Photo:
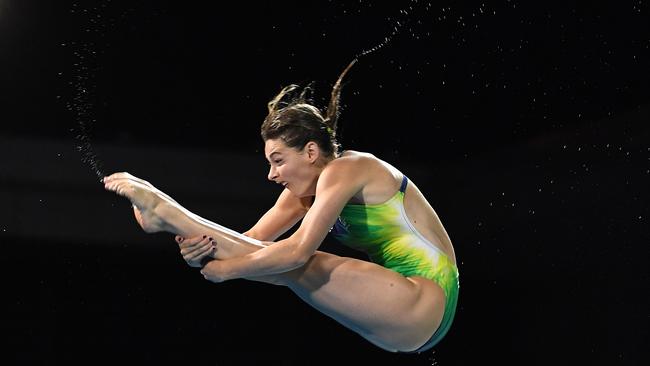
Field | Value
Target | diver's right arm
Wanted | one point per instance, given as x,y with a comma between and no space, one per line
286,212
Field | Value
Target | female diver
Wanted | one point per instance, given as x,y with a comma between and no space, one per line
402,300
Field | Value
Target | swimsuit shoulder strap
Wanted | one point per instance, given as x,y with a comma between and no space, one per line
405,180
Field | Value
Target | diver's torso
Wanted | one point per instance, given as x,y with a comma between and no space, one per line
383,186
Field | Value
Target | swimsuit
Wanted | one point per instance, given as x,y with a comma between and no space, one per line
384,232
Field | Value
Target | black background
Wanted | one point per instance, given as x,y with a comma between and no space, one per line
526,125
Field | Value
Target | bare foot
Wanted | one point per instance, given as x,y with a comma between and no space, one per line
144,197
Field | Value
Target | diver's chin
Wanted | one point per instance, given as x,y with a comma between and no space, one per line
294,192
290,190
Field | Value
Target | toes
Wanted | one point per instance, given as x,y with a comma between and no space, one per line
119,175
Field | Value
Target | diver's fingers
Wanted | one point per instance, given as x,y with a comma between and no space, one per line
192,244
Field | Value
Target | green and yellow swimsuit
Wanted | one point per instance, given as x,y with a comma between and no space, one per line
384,232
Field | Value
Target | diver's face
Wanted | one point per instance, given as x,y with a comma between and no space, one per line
291,168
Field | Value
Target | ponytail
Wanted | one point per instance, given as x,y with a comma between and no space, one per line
297,121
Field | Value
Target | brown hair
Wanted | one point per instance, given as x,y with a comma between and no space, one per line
297,121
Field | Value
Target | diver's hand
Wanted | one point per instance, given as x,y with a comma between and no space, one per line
197,251
143,196
215,271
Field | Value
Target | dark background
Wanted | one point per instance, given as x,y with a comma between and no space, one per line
526,125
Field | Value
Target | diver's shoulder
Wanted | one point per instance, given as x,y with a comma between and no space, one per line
368,162
358,159
351,161
356,155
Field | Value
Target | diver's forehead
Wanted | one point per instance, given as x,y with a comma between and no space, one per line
273,147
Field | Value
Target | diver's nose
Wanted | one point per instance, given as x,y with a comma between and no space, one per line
273,173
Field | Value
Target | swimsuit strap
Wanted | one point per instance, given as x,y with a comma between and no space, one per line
402,188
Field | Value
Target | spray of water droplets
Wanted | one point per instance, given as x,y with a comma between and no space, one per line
82,107
399,23
83,83
432,359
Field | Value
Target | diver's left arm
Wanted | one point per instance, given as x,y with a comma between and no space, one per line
332,193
